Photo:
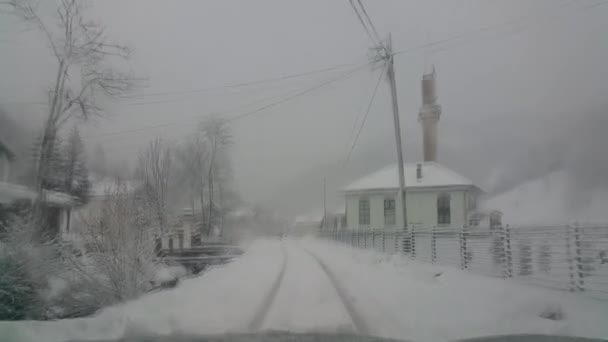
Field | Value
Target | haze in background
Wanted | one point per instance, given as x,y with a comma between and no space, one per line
520,100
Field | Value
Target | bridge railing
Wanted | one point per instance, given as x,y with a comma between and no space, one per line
570,257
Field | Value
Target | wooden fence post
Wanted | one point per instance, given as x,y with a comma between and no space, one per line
383,241
412,239
508,252
433,245
463,249
404,241
578,257
501,250
374,239
571,260
396,241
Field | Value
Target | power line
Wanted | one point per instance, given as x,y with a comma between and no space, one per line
342,76
479,30
306,91
369,107
248,83
229,86
195,117
369,20
367,30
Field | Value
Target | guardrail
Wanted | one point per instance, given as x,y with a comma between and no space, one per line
562,257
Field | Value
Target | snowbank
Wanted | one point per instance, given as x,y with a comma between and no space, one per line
396,298
415,301
222,299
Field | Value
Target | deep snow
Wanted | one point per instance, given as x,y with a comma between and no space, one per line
396,297
416,301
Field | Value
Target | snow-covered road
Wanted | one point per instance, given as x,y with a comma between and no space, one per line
319,286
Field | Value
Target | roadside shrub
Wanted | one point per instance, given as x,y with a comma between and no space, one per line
18,297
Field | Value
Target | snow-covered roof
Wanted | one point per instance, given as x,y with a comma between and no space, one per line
310,218
433,175
10,192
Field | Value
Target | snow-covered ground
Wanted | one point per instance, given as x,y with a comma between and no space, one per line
393,296
416,301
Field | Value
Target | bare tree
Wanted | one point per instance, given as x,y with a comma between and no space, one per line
75,173
82,52
154,169
216,133
193,160
118,260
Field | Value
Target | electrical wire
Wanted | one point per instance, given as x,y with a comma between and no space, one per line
345,75
483,29
249,83
298,94
367,30
369,20
203,90
369,107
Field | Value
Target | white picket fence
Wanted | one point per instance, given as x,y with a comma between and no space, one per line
564,257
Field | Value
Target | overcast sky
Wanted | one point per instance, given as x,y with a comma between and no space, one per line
519,76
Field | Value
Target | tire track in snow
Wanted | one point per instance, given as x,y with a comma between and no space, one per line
260,315
361,326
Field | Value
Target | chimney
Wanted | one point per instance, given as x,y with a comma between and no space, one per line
428,117
418,172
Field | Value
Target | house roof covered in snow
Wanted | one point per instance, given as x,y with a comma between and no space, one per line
10,192
433,175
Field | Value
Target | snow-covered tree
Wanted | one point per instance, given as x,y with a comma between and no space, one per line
76,175
154,169
216,132
81,51
192,159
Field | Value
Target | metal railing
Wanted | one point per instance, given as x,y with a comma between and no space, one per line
562,257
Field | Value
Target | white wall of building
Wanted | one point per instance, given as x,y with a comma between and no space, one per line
421,207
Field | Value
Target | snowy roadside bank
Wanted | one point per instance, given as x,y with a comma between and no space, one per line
223,299
414,301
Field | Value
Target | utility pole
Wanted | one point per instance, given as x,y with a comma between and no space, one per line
324,225
390,72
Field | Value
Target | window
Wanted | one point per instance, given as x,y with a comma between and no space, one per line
363,211
389,211
443,209
472,201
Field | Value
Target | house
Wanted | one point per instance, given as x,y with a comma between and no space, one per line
13,197
334,221
435,194
304,225
179,234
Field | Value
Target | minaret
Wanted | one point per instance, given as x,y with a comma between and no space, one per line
429,115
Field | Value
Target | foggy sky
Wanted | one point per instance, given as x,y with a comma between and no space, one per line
517,98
